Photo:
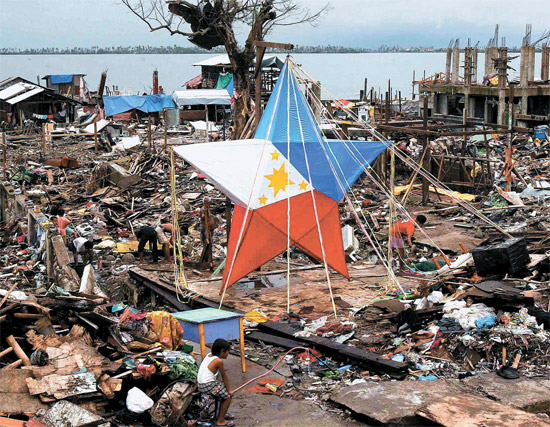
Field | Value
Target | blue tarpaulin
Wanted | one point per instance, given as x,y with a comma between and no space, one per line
61,78
147,103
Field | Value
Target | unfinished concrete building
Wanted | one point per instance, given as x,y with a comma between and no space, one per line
453,94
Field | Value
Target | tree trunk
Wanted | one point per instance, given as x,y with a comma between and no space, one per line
241,62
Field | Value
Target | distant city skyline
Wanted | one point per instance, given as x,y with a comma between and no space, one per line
351,23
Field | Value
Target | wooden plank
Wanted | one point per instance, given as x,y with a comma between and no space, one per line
14,393
468,410
274,340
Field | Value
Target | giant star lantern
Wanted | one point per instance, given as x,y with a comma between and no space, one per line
286,183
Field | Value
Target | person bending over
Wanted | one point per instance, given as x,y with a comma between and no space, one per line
84,247
147,234
400,229
208,379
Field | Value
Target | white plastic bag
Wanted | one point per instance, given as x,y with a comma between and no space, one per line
138,402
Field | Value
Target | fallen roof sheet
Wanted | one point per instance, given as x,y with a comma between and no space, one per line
201,97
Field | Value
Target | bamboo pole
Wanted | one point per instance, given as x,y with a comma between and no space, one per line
95,138
165,130
43,140
4,157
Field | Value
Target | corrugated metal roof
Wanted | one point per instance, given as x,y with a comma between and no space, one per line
25,95
13,90
201,97
19,92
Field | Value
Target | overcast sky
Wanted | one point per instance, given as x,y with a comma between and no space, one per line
357,23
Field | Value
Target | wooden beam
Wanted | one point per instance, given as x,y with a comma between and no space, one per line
401,129
370,360
274,45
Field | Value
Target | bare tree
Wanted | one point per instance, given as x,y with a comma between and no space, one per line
211,23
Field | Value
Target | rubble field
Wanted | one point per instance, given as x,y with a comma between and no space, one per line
463,330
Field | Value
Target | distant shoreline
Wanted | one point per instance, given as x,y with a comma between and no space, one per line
191,51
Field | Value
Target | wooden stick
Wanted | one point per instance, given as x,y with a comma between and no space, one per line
14,364
436,263
503,356
516,361
2,318
6,351
8,294
8,308
143,354
28,315
464,248
18,350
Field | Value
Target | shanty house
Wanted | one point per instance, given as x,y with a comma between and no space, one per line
218,67
69,85
22,99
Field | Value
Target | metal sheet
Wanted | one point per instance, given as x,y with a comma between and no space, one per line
14,90
25,95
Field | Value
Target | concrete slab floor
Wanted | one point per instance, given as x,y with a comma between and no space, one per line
529,394
270,410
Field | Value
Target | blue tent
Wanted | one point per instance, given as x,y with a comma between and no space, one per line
147,103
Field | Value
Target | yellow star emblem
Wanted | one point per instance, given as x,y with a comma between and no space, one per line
262,199
303,185
279,180
275,155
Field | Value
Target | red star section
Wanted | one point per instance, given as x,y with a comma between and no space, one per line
265,234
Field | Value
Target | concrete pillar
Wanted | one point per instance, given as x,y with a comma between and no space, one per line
524,100
448,66
531,64
486,111
444,100
523,73
468,67
501,107
474,65
490,53
487,61
502,74
545,62
466,110
456,65
473,103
